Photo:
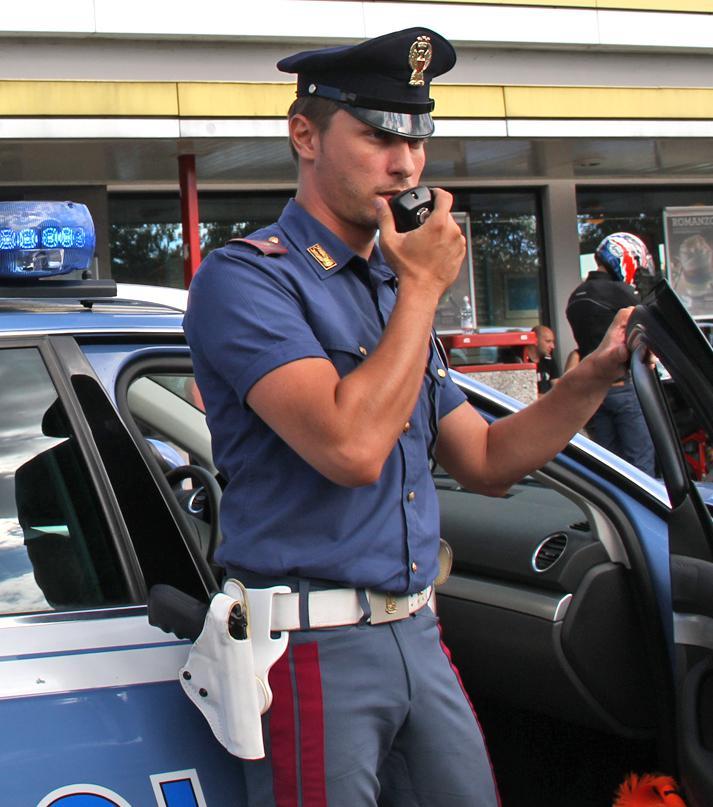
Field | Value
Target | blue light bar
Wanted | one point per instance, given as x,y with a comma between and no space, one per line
40,239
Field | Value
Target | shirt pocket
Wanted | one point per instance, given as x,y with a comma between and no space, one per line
345,351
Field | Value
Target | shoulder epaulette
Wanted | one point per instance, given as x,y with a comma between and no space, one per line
264,247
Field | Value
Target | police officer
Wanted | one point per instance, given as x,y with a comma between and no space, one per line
326,401
623,262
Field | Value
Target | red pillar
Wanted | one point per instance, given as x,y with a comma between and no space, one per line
189,216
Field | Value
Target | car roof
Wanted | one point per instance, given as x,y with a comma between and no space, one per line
135,309
164,295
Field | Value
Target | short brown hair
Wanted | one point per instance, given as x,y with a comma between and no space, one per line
318,110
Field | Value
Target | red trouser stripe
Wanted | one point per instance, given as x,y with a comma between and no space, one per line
309,692
282,735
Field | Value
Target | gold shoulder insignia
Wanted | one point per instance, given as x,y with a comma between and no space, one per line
323,258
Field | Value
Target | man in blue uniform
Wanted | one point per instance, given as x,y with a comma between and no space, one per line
326,401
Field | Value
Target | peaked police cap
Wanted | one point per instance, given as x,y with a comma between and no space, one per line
383,82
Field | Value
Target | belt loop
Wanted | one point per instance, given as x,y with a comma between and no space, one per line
304,603
365,607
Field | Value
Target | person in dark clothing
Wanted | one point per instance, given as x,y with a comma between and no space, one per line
618,424
541,354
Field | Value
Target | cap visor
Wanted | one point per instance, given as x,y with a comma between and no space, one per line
399,123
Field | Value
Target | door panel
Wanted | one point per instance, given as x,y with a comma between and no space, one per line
663,326
89,691
542,574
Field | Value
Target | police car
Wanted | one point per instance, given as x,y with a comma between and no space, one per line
579,610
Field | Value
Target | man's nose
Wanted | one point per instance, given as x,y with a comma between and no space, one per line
402,158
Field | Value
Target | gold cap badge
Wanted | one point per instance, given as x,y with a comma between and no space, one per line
323,258
419,57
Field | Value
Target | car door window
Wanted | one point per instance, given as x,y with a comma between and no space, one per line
56,552
162,406
168,409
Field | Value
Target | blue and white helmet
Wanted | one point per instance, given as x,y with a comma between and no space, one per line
624,255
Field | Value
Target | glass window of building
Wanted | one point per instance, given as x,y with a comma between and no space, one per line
145,233
507,255
145,239
235,215
638,210
505,230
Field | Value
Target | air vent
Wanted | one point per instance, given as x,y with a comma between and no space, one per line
549,552
581,526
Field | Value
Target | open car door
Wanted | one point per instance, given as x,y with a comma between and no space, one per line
663,326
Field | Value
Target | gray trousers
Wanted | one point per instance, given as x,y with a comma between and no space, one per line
370,715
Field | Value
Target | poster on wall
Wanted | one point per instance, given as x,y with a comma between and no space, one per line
447,319
689,256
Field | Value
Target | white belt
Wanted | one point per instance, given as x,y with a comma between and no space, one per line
340,606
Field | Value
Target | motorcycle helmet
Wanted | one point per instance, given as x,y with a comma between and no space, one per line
625,256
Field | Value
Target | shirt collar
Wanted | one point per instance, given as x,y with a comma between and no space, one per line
324,252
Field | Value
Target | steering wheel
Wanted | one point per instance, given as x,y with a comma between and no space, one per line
206,494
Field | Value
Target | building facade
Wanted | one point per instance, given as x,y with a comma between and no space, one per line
560,123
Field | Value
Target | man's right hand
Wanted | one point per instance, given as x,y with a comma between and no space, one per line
429,257
611,358
346,427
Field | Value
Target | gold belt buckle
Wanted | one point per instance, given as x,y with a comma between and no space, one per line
386,607
445,562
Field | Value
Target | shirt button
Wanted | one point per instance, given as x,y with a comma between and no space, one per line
407,427
410,496
414,567
441,372
363,350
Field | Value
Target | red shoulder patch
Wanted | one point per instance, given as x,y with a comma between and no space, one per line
264,247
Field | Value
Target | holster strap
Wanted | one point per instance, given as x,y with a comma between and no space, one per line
333,608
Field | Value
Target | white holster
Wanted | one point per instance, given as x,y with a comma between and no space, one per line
227,678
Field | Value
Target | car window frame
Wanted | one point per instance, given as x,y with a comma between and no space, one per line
54,351
158,362
66,363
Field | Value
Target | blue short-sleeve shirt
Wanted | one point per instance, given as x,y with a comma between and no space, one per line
248,314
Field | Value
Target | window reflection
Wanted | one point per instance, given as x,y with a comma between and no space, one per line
145,233
54,543
506,231
508,266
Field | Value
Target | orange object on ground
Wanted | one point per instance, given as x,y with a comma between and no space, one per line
648,790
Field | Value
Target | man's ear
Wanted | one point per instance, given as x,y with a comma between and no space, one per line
304,136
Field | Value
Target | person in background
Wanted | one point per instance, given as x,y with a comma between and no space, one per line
572,360
541,355
618,425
